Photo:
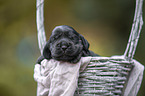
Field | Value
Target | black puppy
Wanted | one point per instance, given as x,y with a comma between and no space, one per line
65,44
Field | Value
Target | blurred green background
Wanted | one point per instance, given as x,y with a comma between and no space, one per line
106,24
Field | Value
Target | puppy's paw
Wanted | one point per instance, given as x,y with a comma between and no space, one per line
41,58
74,61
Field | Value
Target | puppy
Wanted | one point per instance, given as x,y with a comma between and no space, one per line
65,44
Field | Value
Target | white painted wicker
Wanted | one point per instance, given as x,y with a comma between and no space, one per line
104,76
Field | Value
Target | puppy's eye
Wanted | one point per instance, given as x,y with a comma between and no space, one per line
54,37
72,38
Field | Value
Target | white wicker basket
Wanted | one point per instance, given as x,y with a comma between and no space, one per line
104,76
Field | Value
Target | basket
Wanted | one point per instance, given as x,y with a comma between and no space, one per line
104,76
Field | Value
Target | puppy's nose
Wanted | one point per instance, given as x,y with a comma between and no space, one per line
64,45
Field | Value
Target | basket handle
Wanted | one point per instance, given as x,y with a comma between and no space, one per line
135,31
133,39
40,24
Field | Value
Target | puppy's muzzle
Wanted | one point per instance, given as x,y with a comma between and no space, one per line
64,45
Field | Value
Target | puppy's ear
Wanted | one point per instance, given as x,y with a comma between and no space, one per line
46,51
85,43
85,46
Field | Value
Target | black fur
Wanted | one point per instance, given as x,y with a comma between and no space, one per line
65,44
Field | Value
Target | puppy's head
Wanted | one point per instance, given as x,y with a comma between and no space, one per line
65,44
